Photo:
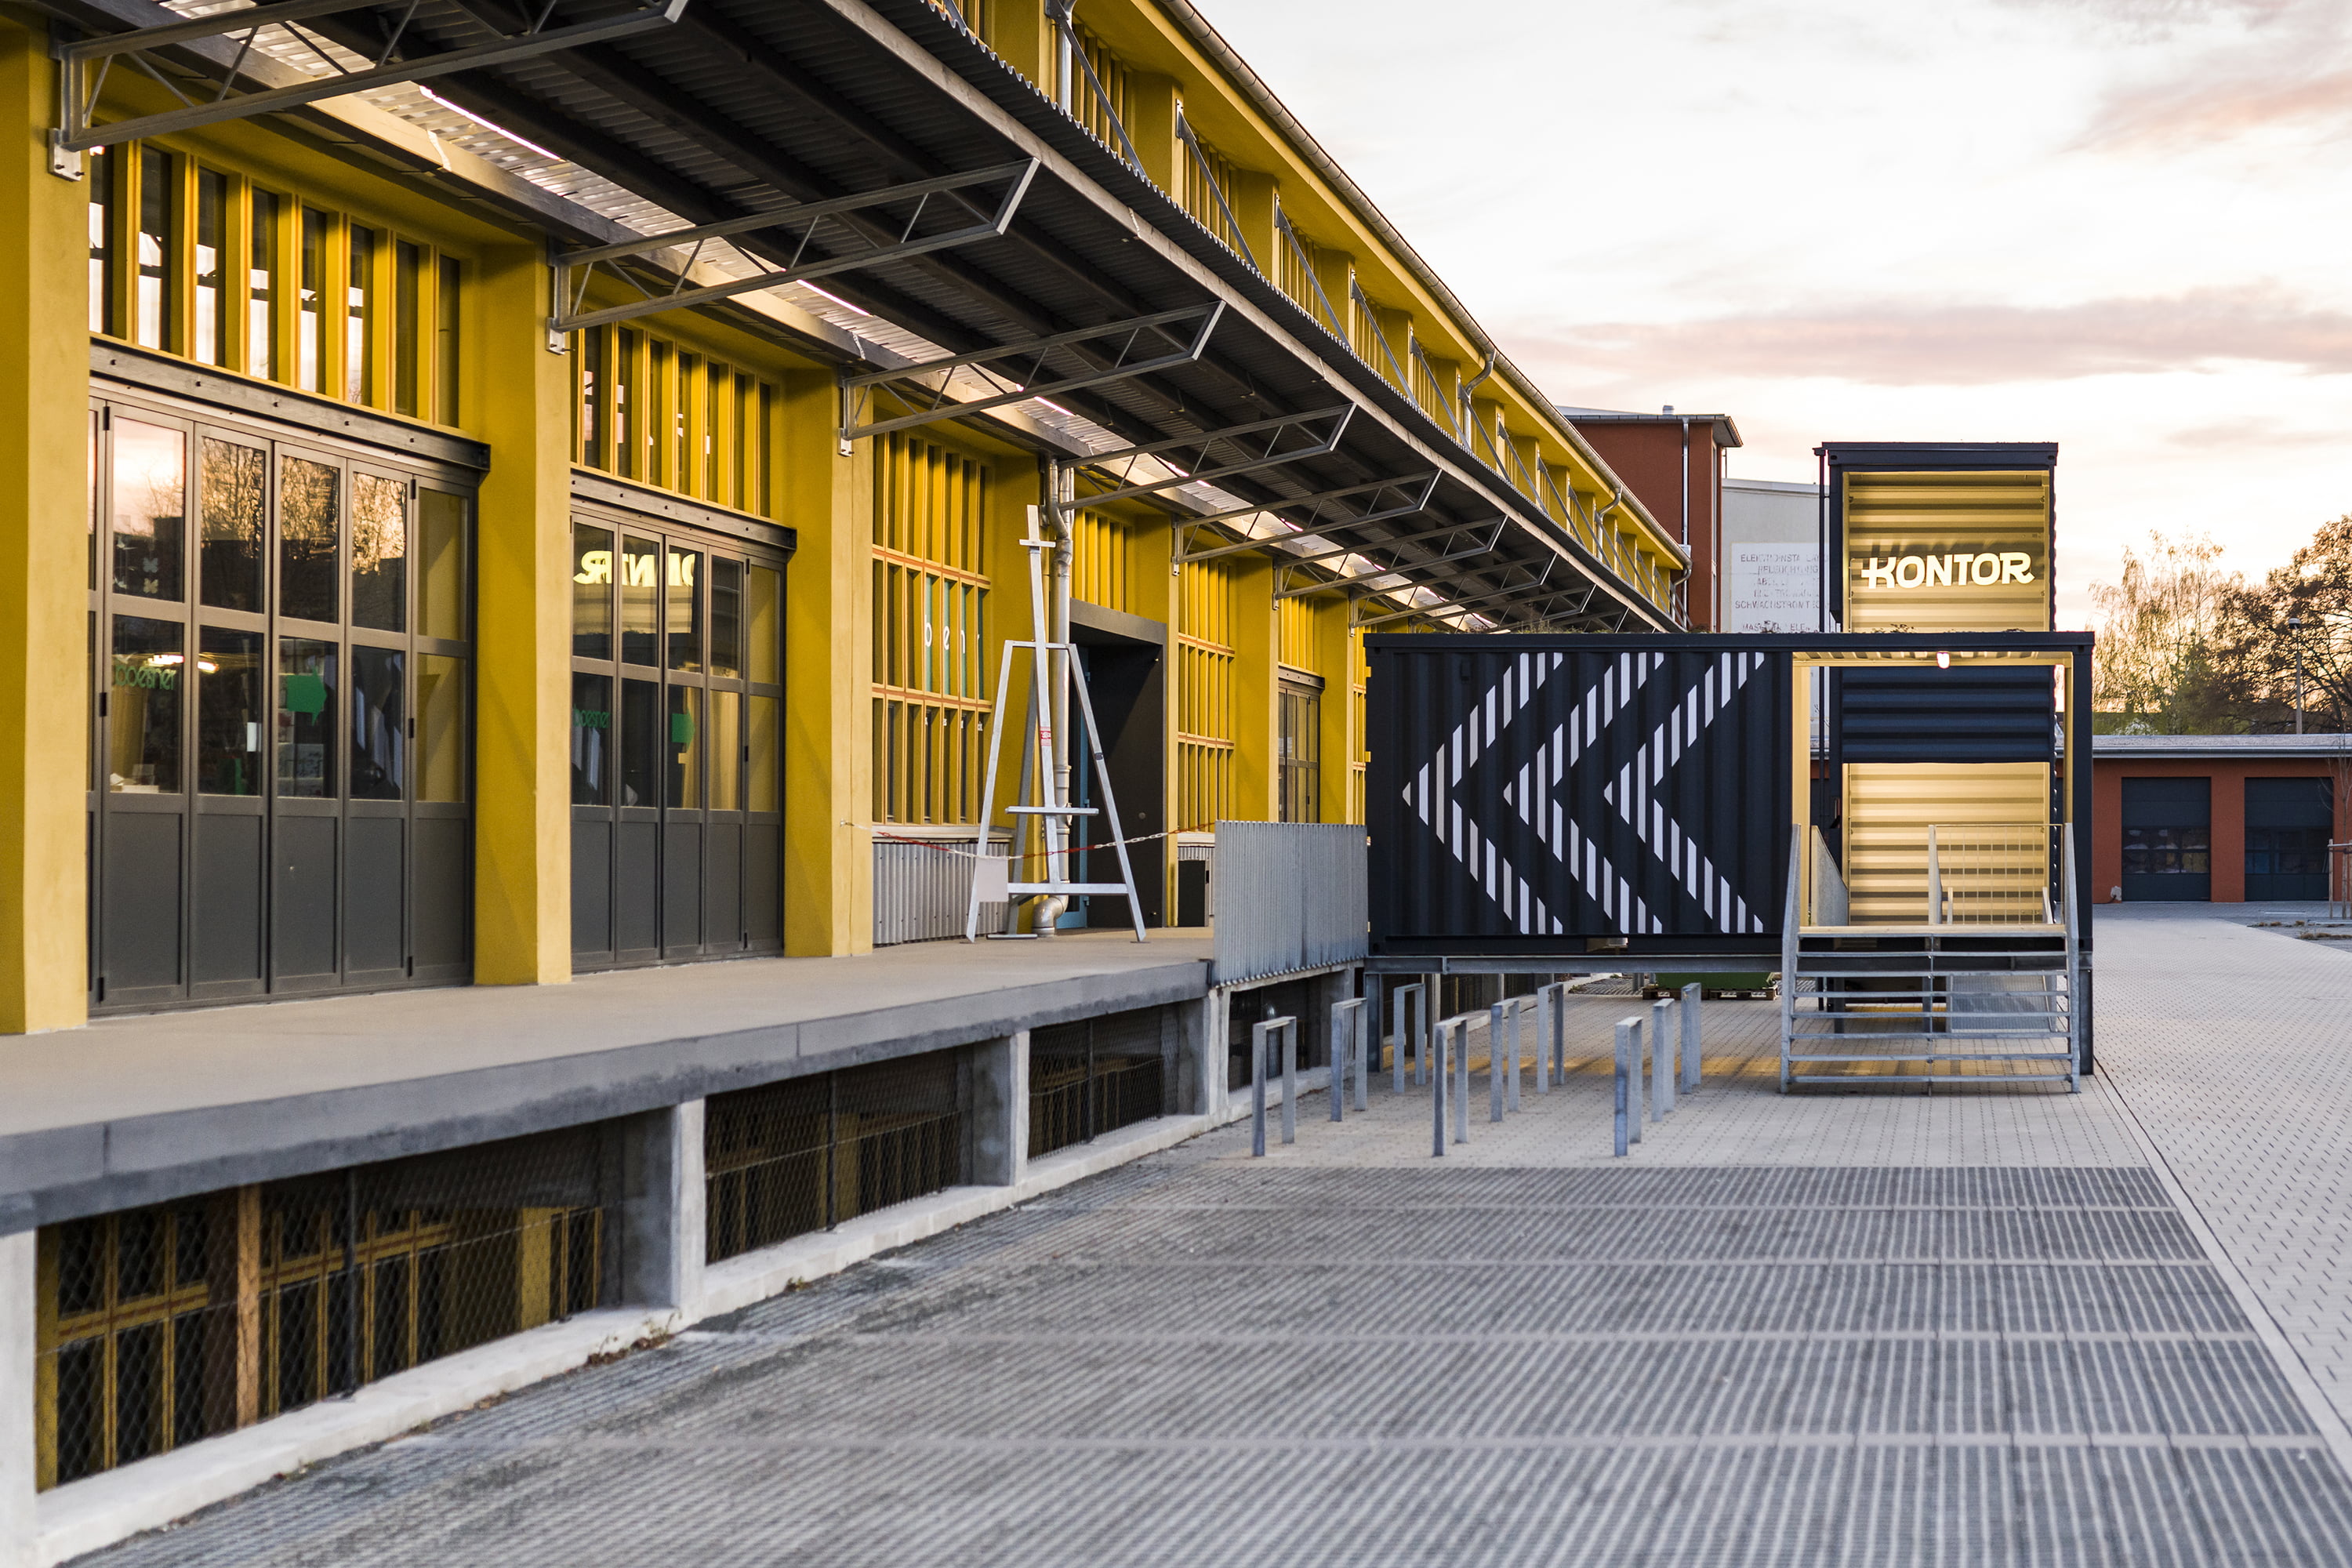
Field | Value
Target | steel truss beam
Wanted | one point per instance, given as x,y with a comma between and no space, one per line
817,223
1200,453
931,404
1417,504
1401,569
1463,606
79,91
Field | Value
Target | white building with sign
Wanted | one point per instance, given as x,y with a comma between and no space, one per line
1772,557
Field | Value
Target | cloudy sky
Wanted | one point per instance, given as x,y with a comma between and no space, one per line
2124,226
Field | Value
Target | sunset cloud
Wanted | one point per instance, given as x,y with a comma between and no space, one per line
1921,344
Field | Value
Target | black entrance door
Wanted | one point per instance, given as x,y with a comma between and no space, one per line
281,670
2288,823
2167,839
677,716
1124,657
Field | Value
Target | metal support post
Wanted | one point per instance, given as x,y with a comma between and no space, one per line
1662,1059
1629,1071
1367,1019
1627,1046
1461,1079
1690,1005
1346,1050
1495,1062
1519,1006
1290,1081
1437,1109
1430,997
1408,999
1257,1088
1548,1002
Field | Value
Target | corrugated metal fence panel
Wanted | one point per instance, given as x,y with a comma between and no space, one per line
1292,897
1525,792
920,892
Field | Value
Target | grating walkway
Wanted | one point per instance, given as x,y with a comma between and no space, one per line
1955,1329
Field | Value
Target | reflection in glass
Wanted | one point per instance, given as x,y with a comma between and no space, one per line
441,564
151,490
682,756
763,628
685,585
642,729
101,239
309,517
379,552
640,601
592,740
212,259
313,300
445,354
234,481
229,713
142,710
306,717
726,751
726,616
379,723
156,254
407,269
261,289
592,592
760,760
359,316
440,727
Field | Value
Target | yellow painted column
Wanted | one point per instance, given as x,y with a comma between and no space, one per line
44,554
1023,37
828,677
1339,743
522,788
1256,652
1152,109
1253,198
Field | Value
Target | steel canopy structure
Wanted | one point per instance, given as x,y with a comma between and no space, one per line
724,112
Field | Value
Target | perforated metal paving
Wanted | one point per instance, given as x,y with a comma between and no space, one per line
1188,1362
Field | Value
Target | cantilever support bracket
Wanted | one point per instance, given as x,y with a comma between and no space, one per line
1137,346
1459,607
1401,569
826,240
79,86
1215,455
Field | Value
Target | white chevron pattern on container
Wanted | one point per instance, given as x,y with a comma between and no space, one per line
1634,792
1533,793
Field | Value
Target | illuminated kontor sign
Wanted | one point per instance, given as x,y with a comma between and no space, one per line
1983,569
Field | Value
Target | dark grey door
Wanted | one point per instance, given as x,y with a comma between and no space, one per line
274,618
2289,823
677,707
2167,839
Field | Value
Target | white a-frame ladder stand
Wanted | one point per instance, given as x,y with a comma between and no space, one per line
1043,780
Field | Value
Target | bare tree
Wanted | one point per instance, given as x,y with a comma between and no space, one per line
2158,667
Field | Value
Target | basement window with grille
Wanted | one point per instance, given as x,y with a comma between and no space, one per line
803,1155
162,1325
1090,1076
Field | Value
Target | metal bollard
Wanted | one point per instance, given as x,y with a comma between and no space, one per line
1544,1006
1627,1045
1494,1061
1437,1109
1290,1081
1367,1019
1411,1000
1348,1053
1662,1059
1632,1045
1690,1038
1560,1031
1511,1085
1257,1089
1461,1079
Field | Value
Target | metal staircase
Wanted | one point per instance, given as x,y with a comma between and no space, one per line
1988,989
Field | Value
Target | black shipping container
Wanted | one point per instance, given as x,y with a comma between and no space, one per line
1529,793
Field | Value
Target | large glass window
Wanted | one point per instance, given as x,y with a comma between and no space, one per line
235,478
441,727
592,739
407,278
212,264
640,566
442,577
684,615
151,494
158,255
309,518
359,315
379,552
310,326
592,592
229,713
643,733
306,717
379,723
142,728
261,287
101,182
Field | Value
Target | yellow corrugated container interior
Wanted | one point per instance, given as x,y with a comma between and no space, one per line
1890,807
1936,516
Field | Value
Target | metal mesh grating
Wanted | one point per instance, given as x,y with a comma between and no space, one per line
803,1155
1088,1077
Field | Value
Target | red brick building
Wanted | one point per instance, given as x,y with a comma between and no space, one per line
1673,463
2226,818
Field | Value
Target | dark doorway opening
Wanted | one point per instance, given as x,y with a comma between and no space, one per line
1126,658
